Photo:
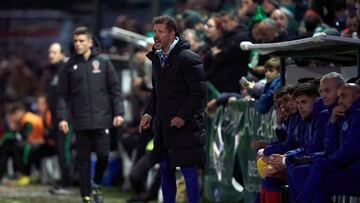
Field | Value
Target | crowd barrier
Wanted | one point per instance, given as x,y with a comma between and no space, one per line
230,132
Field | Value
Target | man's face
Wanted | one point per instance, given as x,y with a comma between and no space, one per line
289,104
352,24
282,104
266,33
228,23
82,44
346,97
280,18
305,105
267,6
42,104
162,36
271,73
328,91
292,104
192,41
55,55
250,6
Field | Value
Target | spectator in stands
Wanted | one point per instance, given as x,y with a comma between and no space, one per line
196,44
282,20
248,8
193,20
270,5
352,26
270,32
257,61
272,74
326,9
337,174
89,84
264,100
229,62
312,23
213,33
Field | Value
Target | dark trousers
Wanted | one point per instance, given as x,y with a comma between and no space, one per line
296,177
27,154
7,150
140,171
168,181
86,142
327,178
63,148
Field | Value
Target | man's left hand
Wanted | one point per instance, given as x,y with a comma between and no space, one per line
118,120
177,122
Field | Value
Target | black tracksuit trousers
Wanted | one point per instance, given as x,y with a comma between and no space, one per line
86,142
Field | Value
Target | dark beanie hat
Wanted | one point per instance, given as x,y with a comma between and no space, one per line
276,3
191,18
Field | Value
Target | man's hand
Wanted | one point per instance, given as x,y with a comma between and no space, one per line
280,116
177,122
266,159
276,160
215,50
258,144
64,127
144,122
118,120
338,111
211,106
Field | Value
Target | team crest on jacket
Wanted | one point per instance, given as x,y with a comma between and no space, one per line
96,66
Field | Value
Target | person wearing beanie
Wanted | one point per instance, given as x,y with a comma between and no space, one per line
270,5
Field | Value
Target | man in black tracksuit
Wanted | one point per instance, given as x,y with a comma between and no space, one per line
89,84
57,59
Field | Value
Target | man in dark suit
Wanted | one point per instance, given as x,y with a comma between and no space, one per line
176,108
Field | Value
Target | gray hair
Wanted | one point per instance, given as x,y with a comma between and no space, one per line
340,81
270,22
193,33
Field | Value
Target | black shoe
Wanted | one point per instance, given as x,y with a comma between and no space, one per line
135,200
97,194
87,199
147,196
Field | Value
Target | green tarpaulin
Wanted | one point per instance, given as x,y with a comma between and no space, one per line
230,133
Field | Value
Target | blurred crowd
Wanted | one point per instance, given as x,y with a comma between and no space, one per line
214,30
